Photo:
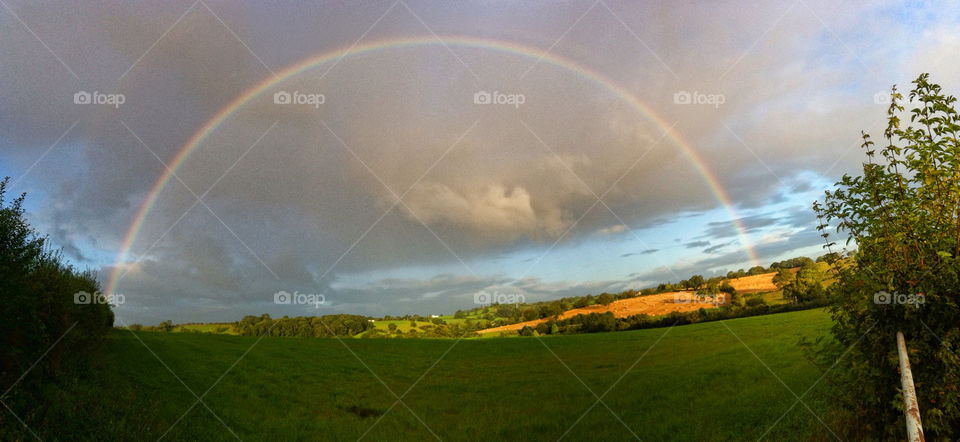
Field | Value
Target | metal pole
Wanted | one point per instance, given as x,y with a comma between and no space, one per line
910,407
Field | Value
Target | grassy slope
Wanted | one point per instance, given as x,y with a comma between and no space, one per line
699,382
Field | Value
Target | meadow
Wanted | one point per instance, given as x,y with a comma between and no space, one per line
724,380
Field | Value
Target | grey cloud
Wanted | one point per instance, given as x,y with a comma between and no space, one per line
304,203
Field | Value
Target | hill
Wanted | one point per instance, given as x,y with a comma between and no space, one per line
657,304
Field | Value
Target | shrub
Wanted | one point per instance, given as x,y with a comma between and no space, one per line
755,301
38,309
903,212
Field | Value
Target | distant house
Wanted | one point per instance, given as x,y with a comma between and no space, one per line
370,320
434,316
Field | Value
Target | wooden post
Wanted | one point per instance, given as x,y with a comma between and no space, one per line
910,407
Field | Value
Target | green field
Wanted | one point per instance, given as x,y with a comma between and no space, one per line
699,382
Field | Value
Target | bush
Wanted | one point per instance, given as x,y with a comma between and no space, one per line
903,212
38,308
755,301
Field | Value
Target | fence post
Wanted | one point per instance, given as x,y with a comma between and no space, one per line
910,407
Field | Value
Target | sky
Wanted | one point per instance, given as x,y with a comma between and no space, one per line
403,156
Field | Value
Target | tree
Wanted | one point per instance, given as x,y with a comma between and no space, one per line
829,258
807,286
549,309
903,213
392,327
756,270
605,299
527,331
530,314
696,281
713,288
725,287
782,278
505,310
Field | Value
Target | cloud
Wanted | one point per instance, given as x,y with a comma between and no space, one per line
492,210
753,223
717,247
315,200
619,228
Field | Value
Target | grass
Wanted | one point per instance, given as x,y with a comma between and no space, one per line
701,381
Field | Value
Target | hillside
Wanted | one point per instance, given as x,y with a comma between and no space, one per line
653,305
658,304
756,283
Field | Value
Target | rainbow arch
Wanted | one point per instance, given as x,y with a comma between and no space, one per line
240,101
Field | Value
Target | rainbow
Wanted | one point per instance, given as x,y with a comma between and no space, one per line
239,102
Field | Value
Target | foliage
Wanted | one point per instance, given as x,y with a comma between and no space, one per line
807,285
45,334
695,281
903,213
783,277
304,326
725,287
605,299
